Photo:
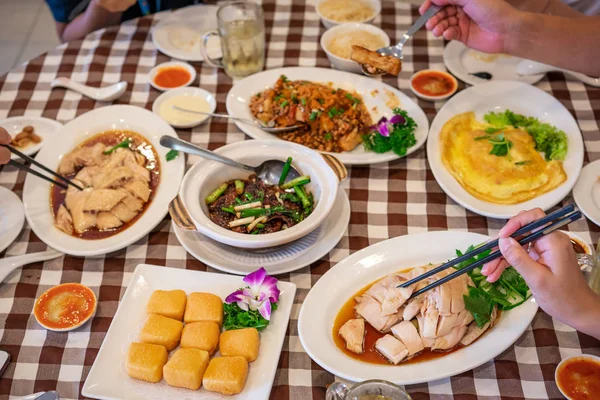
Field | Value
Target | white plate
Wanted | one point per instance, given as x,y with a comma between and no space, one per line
520,98
107,378
43,127
238,261
179,34
186,91
587,192
333,289
461,61
181,64
12,217
238,101
36,191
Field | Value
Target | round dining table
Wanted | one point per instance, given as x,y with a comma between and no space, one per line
387,200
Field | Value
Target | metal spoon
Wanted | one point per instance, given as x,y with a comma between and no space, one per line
107,93
244,120
268,172
396,51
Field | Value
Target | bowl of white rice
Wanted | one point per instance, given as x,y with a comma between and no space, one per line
337,43
335,12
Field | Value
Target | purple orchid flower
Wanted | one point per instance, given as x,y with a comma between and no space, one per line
261,291
384,126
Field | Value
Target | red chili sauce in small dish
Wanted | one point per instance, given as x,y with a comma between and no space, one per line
579,378
433,83
65,306
172,77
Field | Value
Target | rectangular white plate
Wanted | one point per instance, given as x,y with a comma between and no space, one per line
108,379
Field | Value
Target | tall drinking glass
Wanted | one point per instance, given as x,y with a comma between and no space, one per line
242,31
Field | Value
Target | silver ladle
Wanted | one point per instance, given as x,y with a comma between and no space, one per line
268,172
265,128
396,51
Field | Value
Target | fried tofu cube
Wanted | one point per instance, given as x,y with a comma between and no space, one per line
226,375
168,303
203,335
204,307
161,330
240,342
145,361
186,368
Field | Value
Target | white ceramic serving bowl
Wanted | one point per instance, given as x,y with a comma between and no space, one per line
328,23
345,64
185,91
581,357
36,191
181,64
205,176
433,98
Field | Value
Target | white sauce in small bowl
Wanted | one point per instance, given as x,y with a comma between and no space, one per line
194,99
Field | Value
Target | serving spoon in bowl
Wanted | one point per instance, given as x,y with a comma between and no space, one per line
269,171
396,51
265,128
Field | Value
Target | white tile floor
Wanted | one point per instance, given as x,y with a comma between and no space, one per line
26,30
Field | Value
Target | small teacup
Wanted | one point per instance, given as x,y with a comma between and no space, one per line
368,390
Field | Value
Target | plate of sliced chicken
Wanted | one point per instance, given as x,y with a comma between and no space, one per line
373,329
113,157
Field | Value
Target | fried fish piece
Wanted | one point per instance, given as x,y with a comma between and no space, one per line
374,61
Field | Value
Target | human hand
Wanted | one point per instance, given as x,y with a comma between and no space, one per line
551,270
5,138
115,5
479,24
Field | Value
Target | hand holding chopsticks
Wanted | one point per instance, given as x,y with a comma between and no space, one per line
38,174
556,220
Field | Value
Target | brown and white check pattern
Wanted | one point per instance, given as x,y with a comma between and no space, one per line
387,200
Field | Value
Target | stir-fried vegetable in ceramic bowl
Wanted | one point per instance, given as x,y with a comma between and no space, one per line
238,209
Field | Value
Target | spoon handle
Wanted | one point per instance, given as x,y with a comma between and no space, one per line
186,147
247,121
431,11
9,264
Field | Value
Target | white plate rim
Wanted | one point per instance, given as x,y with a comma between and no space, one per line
26,120
366,262
463,102
285,266
284,310
185,91
16,217
582,191
265,79
451,55
118,114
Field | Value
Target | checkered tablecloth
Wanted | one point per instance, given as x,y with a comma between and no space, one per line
387,200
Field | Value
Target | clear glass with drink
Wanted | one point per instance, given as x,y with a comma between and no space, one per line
242,31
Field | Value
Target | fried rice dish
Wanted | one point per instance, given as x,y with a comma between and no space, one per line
330,119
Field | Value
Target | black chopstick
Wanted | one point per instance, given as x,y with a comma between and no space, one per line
526,240
493,243
31,160
34,172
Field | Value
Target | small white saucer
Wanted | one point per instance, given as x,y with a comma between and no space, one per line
43,127
186,91
278,261
12,217
181,64
587,192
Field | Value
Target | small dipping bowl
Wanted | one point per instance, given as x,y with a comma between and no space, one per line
579,243
191,98
430,78
346,64
593,369
171,75
65,307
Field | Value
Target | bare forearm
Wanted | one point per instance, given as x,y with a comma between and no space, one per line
588,318
550,7
94,18
569,43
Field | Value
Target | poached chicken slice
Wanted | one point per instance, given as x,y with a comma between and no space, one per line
412,308
406,332
395,297
458,288
430,323
391,348
370,310
138,188
102,200
446,323
450,340
427,342
107,220
473,332
353,332
64,221
465,317
123,212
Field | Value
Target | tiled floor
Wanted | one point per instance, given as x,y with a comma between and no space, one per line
26,30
